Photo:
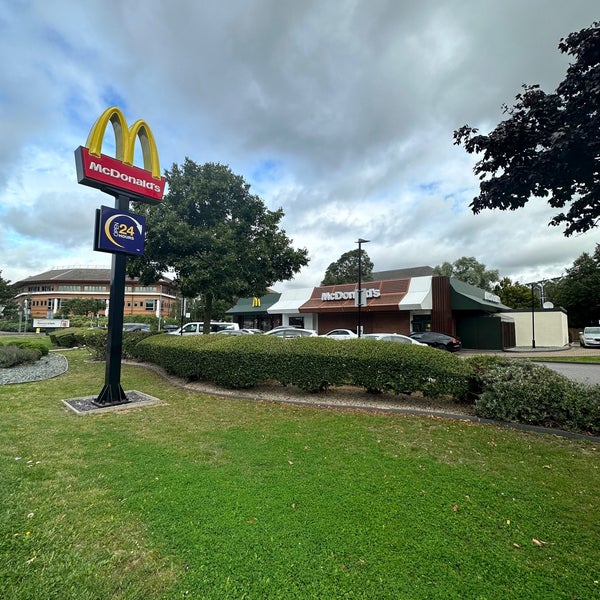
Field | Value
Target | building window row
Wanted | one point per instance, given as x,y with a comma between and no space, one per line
69,288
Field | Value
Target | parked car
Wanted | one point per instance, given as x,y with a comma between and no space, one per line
167,328
590,337
438,340
232,332
392,337
252,330
136,327
291,332
197,328
340,334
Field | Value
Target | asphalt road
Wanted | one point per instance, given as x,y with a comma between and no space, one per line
583,373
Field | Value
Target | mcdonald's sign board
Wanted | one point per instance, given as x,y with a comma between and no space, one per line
118,175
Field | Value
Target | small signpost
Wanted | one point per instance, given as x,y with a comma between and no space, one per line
117,230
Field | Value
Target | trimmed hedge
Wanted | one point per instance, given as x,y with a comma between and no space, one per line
312,364
68,338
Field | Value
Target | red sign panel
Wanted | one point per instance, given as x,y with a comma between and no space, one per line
113,176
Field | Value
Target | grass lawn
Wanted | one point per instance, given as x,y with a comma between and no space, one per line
215,498
572,359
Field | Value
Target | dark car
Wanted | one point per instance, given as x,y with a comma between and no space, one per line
438,340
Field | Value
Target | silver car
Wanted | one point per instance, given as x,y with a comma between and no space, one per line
392,337
590,337
291,332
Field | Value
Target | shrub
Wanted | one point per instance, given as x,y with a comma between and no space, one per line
312,364
31,344
11,355
95,342
524,392
480,366
68,338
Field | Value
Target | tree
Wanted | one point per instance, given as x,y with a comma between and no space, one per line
218,238
549,147
469,270
515,295
579,291
82,306
345,269
7,294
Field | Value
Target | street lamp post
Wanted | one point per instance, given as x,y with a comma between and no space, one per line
360,241
532,317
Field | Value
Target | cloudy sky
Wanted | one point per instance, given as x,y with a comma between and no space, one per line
339,111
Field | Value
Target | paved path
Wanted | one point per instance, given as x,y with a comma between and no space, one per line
583,372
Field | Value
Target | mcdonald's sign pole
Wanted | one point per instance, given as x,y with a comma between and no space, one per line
117,230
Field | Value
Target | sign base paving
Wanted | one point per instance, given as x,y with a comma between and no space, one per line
87,406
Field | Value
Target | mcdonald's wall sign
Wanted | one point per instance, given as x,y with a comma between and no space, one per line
118,175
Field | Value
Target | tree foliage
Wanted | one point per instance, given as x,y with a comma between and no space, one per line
7,294
469,270
218,238
549,147
82,306
345,269
515,295
579,291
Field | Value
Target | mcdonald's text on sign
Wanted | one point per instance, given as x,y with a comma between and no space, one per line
119,175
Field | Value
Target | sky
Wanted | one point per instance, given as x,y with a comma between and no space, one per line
340,112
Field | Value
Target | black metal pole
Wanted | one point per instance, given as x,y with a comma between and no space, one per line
360,241
112,393
532,318
359,329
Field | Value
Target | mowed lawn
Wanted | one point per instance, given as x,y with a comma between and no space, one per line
207,497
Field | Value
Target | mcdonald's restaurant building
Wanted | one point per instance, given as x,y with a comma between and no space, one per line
407,303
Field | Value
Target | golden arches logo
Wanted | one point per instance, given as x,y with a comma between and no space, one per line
255,302
118,175
125,139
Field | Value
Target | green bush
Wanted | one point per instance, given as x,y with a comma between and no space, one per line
480,366
312,364
95,342
30,344
68,338
524,392
12,355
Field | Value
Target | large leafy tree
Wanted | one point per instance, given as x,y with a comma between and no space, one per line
579,290
515,295
345,269
469,270
549,146
7,294
218,238
82,306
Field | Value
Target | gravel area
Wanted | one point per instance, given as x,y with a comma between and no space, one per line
47,367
